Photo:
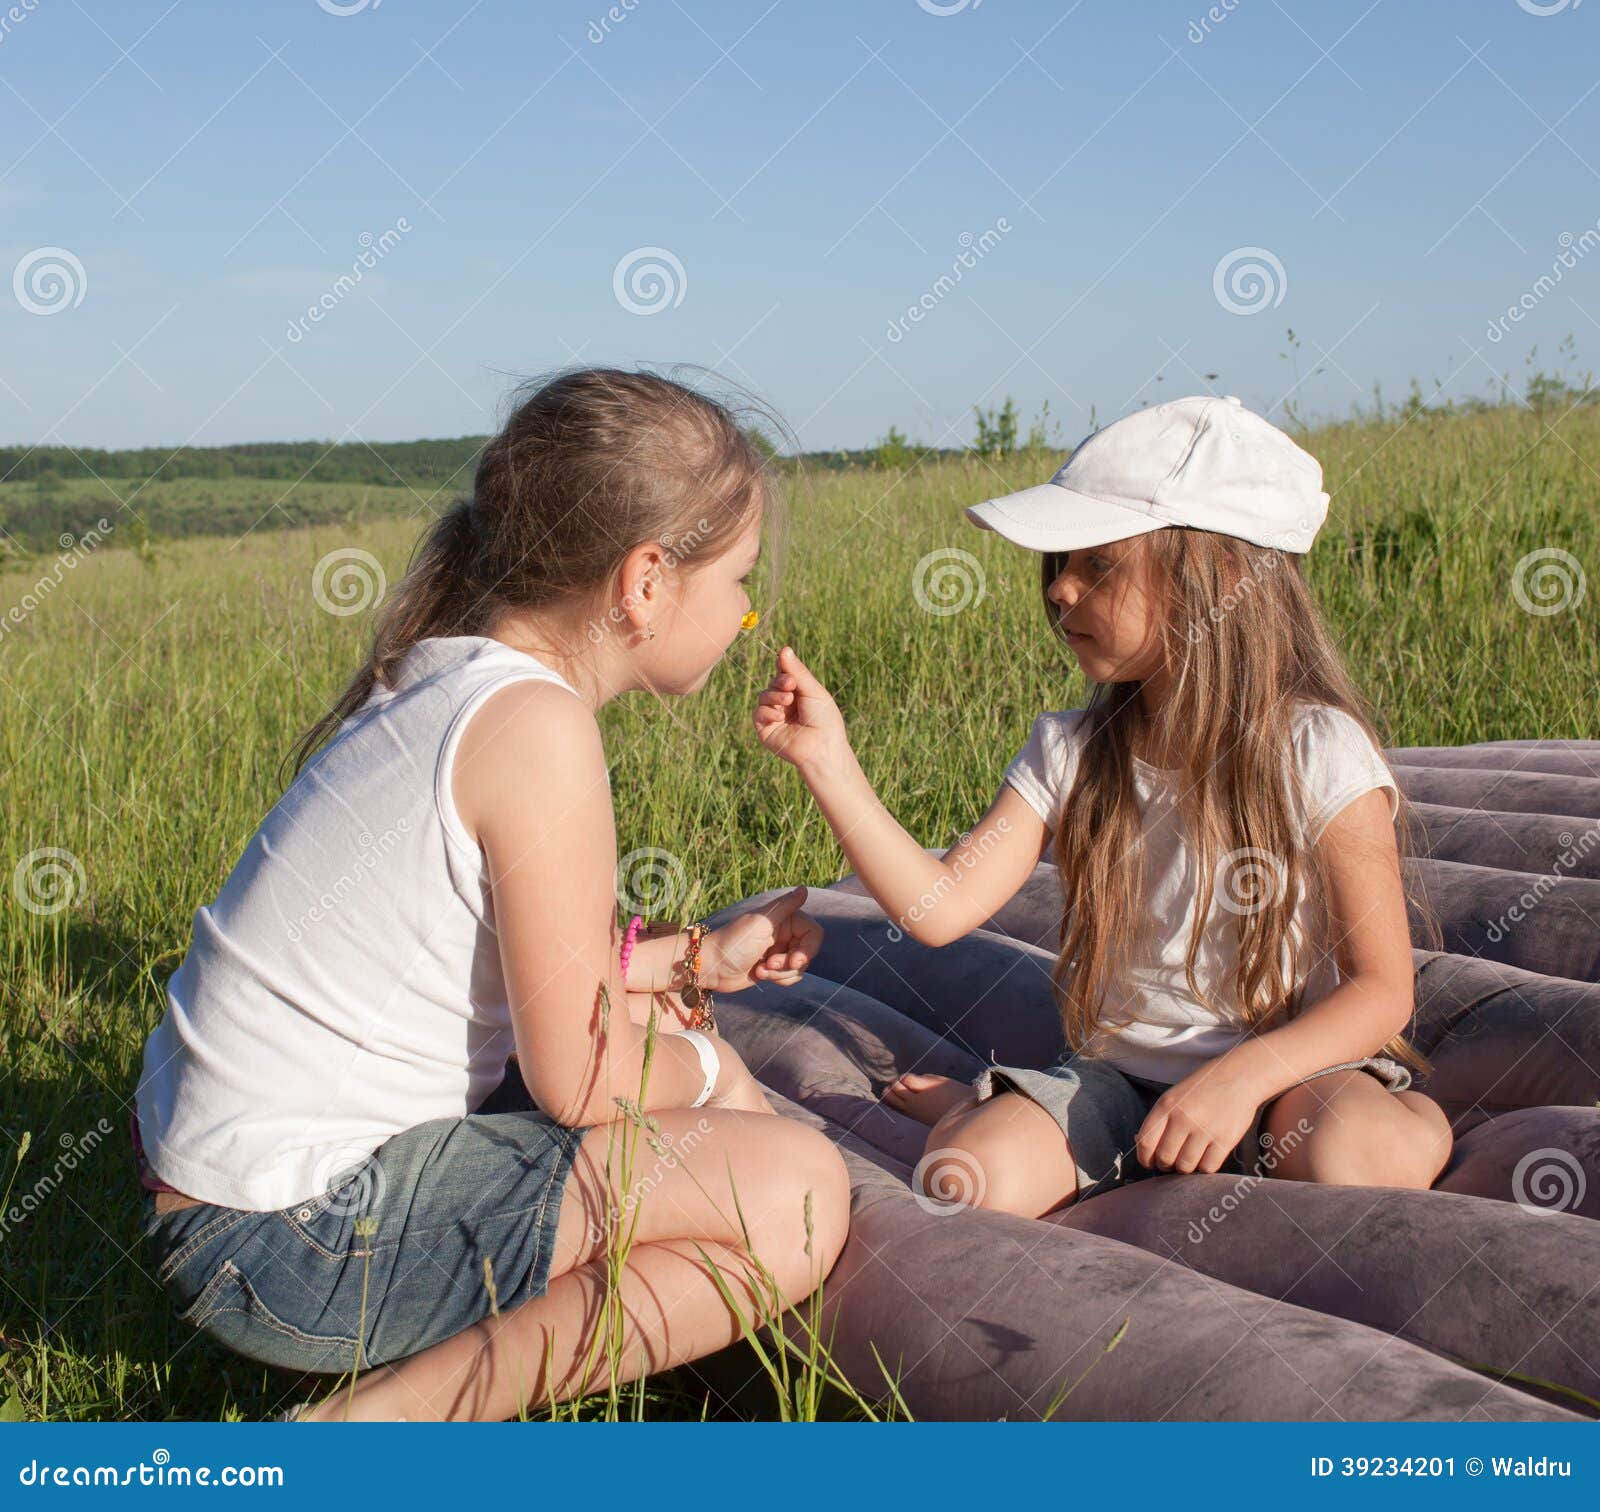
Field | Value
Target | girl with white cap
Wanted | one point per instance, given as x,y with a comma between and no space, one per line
1234,962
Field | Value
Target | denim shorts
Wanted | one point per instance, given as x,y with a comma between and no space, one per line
297,1287
1101,1109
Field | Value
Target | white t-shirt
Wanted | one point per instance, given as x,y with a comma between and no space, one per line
345,985
1153,1026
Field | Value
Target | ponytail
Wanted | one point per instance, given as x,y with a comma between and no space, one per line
437,596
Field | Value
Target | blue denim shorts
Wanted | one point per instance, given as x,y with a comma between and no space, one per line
434,1203
1101,1110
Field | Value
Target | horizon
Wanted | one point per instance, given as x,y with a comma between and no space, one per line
351,222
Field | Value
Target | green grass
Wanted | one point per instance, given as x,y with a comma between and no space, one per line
151,694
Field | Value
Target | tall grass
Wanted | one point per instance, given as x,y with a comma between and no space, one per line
149,699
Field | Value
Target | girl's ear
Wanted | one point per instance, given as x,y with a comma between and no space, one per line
640,578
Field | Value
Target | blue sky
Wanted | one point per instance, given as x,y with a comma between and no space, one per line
812,168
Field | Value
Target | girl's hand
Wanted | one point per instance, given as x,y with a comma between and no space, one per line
1195,1124
773,943
796,717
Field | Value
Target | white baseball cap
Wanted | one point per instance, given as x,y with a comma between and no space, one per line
1203,462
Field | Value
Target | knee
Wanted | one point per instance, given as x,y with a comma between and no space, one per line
816,1202
1407,1151
966,1174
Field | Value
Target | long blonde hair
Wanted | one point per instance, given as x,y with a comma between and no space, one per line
1243,643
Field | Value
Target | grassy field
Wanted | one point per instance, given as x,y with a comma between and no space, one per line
150,695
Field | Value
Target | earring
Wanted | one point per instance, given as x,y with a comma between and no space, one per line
649,632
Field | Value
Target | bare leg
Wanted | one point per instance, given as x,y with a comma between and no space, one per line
1005,1154
672,1309
928,1098
1355,1132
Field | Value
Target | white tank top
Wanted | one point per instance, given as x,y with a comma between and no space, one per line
345,985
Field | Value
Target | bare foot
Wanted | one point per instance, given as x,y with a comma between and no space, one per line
925,1098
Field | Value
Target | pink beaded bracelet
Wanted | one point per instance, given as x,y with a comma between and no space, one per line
627,947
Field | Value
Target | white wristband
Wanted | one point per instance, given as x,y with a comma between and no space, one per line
710,1062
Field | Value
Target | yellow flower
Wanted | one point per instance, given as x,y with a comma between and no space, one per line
751,620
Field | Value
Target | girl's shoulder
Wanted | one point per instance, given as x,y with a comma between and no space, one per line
1042,771
1336,760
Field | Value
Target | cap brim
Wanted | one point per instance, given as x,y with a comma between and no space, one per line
1052,518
